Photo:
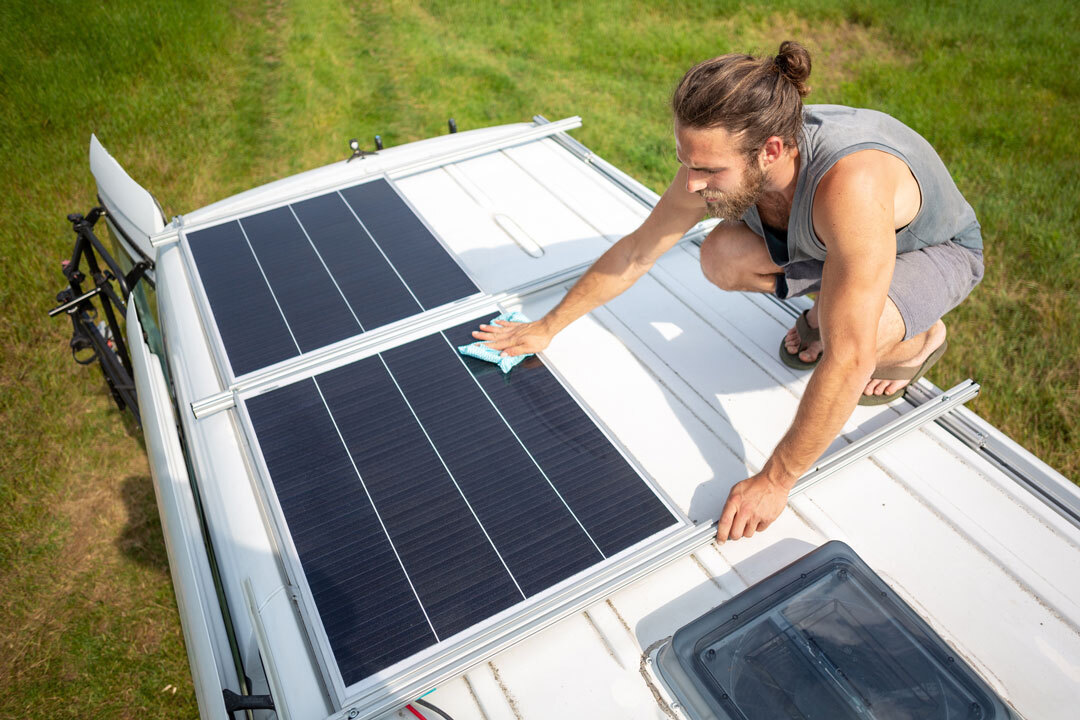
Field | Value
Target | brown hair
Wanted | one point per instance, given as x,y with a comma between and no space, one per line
758,97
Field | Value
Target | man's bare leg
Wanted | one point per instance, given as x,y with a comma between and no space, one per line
892,350
734,257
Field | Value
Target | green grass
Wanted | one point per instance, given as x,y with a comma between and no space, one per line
199,102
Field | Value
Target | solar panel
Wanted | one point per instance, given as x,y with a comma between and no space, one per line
296,278
425,493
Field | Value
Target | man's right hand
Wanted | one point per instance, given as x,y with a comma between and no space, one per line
514,338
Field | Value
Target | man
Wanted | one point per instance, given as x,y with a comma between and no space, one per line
850,204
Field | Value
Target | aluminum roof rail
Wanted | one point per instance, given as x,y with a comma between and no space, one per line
1041,480
640,192
341,179
912,420
538,132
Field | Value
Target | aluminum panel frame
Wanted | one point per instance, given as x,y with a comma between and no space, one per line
569,600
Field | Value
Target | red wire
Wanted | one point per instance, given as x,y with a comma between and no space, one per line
414,712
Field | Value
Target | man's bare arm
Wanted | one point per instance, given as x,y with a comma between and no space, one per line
613,273
853,215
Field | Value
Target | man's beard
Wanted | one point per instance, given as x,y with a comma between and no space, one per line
733,205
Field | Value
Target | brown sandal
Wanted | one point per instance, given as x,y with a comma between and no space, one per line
807,335
911,374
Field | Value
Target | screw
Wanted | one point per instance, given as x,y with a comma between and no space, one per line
710,654
353,714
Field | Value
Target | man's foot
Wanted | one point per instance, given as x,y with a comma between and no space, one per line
908,354
803,352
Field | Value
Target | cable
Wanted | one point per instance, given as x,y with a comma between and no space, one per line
435,708
411,709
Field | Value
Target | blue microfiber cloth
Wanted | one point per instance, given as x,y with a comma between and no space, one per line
481,352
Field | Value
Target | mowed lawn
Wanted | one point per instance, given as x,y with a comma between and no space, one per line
199,101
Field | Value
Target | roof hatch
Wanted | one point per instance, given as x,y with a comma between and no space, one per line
823,638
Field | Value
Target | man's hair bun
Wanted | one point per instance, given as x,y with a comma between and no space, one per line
752,97
793,62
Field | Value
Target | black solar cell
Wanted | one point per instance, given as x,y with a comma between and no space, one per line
524,516
371,615
601,488
454,568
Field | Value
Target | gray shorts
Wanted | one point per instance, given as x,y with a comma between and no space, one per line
926,283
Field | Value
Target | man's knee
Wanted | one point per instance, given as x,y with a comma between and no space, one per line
732,256
719,262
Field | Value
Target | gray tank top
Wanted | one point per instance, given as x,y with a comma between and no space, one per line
832,131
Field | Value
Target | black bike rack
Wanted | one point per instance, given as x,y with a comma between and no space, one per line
106,344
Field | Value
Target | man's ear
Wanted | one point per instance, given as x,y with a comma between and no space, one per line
773,150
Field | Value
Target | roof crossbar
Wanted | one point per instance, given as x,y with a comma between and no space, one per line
359,346
867,445
1027,470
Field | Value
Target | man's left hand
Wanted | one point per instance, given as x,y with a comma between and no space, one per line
751,506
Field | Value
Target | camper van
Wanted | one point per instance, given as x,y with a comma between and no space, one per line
363,522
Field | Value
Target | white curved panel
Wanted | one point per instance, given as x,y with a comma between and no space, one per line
131,208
